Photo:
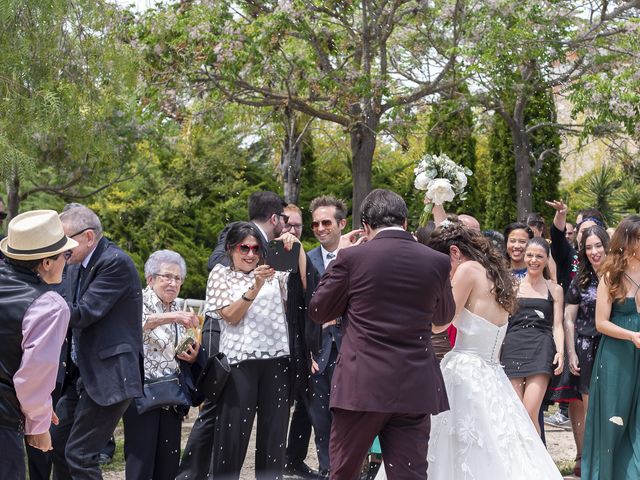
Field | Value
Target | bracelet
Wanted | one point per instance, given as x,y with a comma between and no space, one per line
247,299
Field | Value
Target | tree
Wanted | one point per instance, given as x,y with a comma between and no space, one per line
450,131
67,109
356,64
518,49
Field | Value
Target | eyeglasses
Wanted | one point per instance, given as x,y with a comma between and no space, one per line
296,226
81,231
167,277
244,249
324,223
284,217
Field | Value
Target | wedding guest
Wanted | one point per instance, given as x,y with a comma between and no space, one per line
611,448
152,438
582,338
33,328
104,358
248,298
516,237
534,342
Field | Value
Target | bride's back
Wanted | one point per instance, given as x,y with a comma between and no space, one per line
482,299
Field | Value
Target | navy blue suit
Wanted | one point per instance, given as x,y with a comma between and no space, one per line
105,300
324,344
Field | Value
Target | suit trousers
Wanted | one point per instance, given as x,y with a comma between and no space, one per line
319,409
403,439
82,433
196,458
152,443
260,386
299,431
12,454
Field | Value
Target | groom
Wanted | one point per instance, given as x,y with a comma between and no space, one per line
388,291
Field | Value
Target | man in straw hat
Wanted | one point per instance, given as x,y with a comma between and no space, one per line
33,324
104,361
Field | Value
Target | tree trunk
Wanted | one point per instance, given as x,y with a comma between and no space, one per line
363,145
13,195
522,150
291,168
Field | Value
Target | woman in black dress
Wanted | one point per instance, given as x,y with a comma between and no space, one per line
534,342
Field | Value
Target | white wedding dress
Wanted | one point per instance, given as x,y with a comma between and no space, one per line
487,433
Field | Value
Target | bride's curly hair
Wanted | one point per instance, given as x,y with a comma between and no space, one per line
475,246
623,243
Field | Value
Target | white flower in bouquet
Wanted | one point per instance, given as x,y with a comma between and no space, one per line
440,190
441,178
422,181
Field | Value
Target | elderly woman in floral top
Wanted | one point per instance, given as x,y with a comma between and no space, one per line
152,439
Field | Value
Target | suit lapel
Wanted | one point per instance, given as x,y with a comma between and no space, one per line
88,273
316,258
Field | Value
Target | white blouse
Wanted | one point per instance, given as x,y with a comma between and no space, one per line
262,332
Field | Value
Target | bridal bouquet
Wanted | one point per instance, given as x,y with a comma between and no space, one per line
441,179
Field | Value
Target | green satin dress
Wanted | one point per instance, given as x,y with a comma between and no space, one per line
612,451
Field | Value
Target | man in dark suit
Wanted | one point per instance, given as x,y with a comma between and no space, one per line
104,358
387,382
329,217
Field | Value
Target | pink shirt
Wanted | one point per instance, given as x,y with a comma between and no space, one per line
44,328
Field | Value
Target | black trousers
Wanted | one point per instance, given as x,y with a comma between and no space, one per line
152,443
299,432
84,429
319,409
196,458
12,454
260,386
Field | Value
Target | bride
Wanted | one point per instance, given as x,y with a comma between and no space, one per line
487,434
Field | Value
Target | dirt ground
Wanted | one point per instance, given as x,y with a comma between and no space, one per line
559,442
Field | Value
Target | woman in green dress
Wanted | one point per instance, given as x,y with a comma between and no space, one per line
612,436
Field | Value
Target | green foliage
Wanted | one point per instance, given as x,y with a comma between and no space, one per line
450,131
501,193
609,188
184,195
67,103
545,151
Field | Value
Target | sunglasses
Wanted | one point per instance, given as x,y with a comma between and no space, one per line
244,249
67,254
325,224
3,215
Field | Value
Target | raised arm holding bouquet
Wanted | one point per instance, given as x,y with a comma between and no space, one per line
441,179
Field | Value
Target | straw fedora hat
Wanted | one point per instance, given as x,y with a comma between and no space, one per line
34,235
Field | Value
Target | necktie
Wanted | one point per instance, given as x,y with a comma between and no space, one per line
74,349
331,256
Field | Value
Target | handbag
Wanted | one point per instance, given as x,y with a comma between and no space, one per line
165,391
213,377
162,392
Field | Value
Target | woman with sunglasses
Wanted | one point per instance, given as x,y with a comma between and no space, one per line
248,298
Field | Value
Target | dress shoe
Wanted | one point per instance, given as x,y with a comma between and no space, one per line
104,459
300,469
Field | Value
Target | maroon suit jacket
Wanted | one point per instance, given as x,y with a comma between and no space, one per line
389,291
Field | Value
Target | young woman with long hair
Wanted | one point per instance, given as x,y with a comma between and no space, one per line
611,447
534,343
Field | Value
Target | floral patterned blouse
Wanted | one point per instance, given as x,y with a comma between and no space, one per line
585,298
159,343
262,332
